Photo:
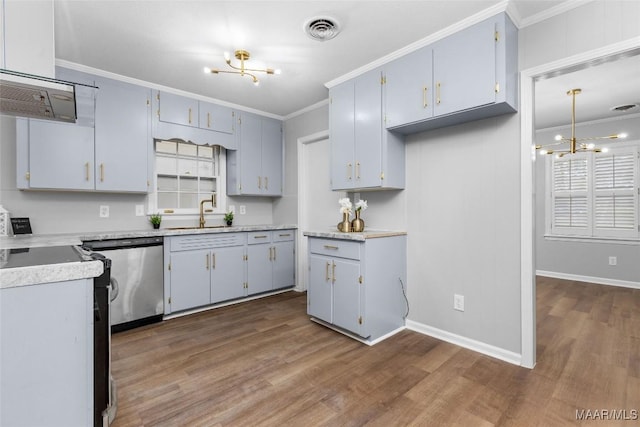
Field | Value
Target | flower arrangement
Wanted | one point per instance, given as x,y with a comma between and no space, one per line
361,205
345,206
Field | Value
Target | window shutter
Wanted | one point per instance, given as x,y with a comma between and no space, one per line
570,200
615,198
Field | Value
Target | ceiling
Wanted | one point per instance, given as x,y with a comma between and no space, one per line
169,43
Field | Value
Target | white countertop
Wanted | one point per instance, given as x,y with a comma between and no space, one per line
32,275
361,237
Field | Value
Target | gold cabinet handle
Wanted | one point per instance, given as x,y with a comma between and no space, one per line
208,120
86,171
259,182
357,170
189,115
285,235
266,182
262,236
326,272
349,170
213,260
270,254
331,247
101,172
207,261
333,272
424,97
274,253
438,93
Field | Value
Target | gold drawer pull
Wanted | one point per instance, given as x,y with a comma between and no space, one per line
331,247
168,211
285,235
260,237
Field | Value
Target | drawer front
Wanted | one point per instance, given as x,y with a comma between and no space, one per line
206,241
283,235
258,237
333,247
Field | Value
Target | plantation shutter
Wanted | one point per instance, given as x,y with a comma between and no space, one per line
615,194
570,195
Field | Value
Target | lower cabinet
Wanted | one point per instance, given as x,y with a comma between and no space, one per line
358,286
271,260
205,269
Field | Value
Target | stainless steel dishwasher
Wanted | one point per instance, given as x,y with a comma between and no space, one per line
136,270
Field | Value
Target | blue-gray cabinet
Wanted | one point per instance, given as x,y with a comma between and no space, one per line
255,168
178,109
364,155
271,260
228,279
216,117
190,278
469,75
357,286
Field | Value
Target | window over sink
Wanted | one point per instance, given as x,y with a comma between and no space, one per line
185,174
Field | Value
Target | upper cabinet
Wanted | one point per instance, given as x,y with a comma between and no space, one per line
466,76
364,155
255,168
200,122
106,149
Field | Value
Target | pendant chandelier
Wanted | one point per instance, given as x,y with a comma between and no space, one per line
576,145
242,56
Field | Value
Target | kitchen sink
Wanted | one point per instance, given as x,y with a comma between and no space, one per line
195,227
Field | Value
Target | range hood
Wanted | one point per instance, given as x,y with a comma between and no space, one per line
28,95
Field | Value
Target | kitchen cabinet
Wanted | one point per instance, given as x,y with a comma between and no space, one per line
469,75
270,260
216,117
178,109
358,286
107,148
204,269
364,155
256,167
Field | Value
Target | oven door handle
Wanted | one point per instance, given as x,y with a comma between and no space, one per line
115,288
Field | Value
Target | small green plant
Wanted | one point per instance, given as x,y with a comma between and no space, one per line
155,219
228,217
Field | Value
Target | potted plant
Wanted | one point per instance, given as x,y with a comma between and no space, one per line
228,218
155,220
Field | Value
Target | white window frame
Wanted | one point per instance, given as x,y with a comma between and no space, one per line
194,212
591,231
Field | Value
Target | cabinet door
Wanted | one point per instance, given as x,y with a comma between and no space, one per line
60,155
227,273
368,130
216,117
320,292
250,154
271,157
259,271
190,279
346,294
408,88
464,69
178,109
341,135
122,136
283,265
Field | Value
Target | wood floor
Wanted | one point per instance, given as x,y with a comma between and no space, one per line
263,363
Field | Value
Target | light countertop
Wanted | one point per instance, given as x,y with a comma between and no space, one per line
361,237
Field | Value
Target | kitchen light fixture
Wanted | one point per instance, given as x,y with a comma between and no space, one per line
576,145
242,56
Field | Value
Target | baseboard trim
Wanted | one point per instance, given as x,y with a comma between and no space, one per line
480,347
589,279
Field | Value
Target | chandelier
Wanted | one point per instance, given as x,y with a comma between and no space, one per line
242,56
576,145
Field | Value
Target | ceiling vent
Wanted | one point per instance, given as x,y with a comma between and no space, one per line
322,28
623,108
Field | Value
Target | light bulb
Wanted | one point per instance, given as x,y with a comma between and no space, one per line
227,57
558,137
207,70
605,150
544,152
622,135
591,146
277,71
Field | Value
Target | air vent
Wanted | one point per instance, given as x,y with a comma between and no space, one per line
322,28
626,107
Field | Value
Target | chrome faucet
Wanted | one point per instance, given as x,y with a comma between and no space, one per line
212,200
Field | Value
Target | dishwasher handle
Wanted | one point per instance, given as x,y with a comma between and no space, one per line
115,288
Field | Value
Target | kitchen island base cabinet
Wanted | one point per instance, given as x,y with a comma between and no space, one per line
46,354
358,286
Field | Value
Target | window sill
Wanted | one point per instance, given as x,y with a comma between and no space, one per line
591,239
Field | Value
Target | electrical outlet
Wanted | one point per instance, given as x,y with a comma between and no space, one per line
243,209
139,210
232,208
613,260
104,211
458,302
